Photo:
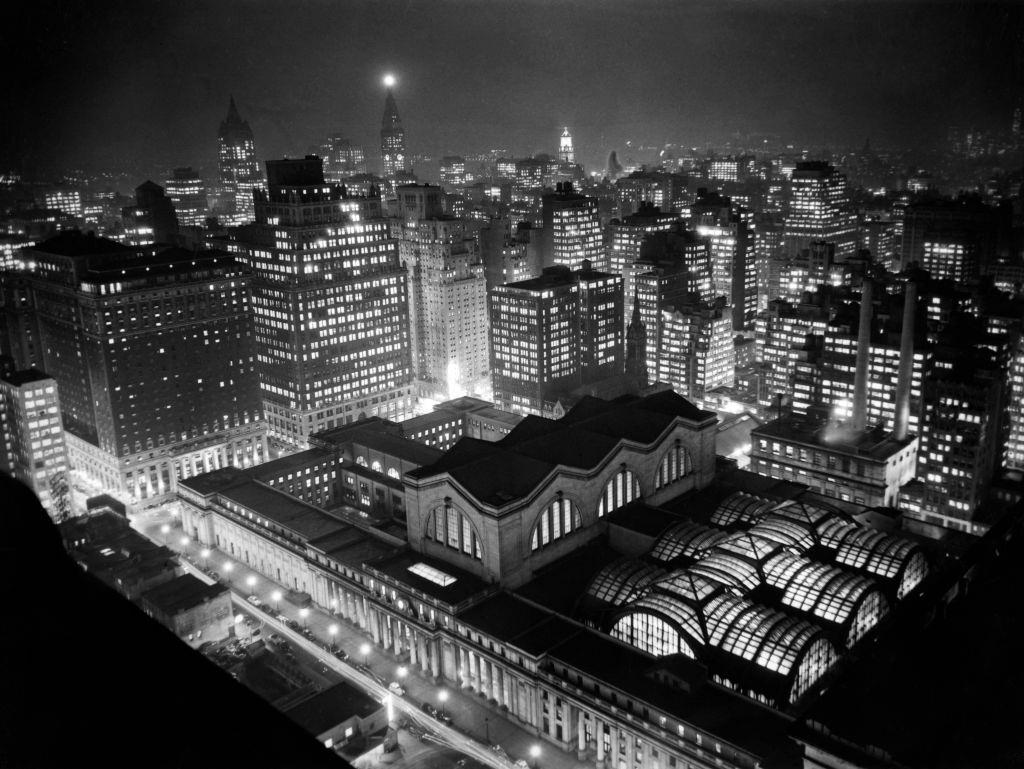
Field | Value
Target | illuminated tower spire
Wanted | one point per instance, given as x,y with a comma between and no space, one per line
566,154
392,135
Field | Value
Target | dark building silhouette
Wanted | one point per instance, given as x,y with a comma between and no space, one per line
152,219
392,140
239,170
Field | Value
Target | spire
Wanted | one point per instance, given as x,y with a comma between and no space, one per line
391,121
233,116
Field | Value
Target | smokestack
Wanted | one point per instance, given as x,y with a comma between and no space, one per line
860,378
905,374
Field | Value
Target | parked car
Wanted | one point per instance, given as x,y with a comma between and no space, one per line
254,601
276,638
341,654
281,618
293,624
429,709
396,688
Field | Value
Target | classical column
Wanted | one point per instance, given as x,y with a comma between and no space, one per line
581,736
599,734
375,626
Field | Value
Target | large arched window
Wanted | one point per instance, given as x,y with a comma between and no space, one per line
451,527
376,467
559,518
674,465
622,489
393,473
361,461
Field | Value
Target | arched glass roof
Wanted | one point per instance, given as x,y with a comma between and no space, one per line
813,516
740,507
827,592
688,539
877,552
750,545
623,580
729,569
798,535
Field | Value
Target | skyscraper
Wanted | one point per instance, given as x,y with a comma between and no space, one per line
153,354
187,194
552,333
342,159
152,219
239,170
392,137
566,153
626,237
447,301
572,229
733,268
330,304
819,209
695,349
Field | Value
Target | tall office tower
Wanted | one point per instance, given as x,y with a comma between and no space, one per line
330,302
447,303
962,234
551,334
782,332
625,238
733,267
66,201
566,153
154,355
961,430
696,352
572,229
453,172
33,449
819,209
665,190
768,257
392,140
1013,456
508,257
724,170
151,219
878,235
239,170
342,159
188,196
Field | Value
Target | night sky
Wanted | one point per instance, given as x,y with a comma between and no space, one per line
147,83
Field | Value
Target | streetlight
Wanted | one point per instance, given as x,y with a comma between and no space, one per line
443,697
535,754
164,529
228,566
365,651
333,631
251,582
185,541
276,595
303,613
205,553
401,672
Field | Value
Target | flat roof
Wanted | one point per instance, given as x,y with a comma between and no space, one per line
503,616
25,376
183,593
283,509
872,443
642,518
463,587
284,465
352,546
334,705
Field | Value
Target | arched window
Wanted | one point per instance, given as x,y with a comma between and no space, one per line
392,473
361,461
674,465
449,526
620,491
376,467
559,518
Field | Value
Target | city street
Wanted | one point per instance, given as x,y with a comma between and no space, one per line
476,727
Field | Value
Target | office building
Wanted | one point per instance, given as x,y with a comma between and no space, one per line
342,159
33,449
782,332
194,611
66,201
571,229
953,237
447,301
507,256
188,196
453,172
239,171
566,152
696,353
330,305
733,267
154,356
819,209
625,240
151,219
665,190
553,333
393,155
467,417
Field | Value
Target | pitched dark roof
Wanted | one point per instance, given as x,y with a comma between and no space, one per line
75,243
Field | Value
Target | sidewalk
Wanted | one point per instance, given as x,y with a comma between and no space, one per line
470,713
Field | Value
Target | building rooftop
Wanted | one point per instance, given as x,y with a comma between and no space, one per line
283,509
462,586
351,546
334,705
76,243
182,593
872,443
25,376
286,464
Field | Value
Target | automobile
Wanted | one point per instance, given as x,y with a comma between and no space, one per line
276,638
429,709
341,654
396,688
521,764
254,601
255,633
293,624
282,619
307,632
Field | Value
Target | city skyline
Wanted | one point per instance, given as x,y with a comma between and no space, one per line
714,71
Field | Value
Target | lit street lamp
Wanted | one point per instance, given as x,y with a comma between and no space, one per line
165,529
303,613
333,632
204,553
185,541
276,595
535,754
251,582
228,566
443,697
365,651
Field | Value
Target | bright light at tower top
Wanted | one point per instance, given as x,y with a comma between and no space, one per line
389,80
